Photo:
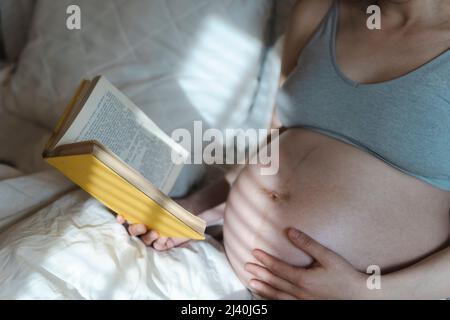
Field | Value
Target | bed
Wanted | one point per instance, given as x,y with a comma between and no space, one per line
62,244
55,241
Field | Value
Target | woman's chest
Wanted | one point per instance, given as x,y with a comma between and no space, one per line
405,122
374,56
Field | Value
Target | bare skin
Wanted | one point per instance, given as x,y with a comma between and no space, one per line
356,205
349,201
401,46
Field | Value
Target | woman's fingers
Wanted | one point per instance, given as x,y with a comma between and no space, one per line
163,244
269,278
179,241
137,230
310,246
170,244
266,291
150,237
277,288
278,267
132,230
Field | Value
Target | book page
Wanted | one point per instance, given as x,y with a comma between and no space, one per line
113,120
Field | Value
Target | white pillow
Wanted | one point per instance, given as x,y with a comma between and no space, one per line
179,60
15,21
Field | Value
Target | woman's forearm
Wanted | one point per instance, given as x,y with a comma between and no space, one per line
427,279
206,198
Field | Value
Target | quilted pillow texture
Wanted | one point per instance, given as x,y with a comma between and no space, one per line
178,60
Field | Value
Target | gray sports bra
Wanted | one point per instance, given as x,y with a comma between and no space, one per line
405,121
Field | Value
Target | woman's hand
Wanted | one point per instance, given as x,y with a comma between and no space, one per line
208,204
330,277
151,238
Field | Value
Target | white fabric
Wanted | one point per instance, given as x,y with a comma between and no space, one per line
21,140
21,196
22,143
74,249
268,85
15,22
179,60
7,172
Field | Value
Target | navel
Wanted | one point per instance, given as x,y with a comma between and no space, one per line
276,195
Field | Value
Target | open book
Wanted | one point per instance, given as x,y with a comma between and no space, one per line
110,148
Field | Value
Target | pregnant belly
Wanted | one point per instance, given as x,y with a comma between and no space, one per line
351,202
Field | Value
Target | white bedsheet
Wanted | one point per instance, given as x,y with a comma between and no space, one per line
72,248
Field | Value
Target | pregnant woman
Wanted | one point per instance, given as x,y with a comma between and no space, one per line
364,163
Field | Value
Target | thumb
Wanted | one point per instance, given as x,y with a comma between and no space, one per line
304,242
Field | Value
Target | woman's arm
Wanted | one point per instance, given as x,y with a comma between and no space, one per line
206,198
305,18
331,277
427,279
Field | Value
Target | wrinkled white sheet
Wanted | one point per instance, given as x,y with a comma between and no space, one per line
72,248
21,196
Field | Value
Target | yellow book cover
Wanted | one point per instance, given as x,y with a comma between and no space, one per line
106,177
